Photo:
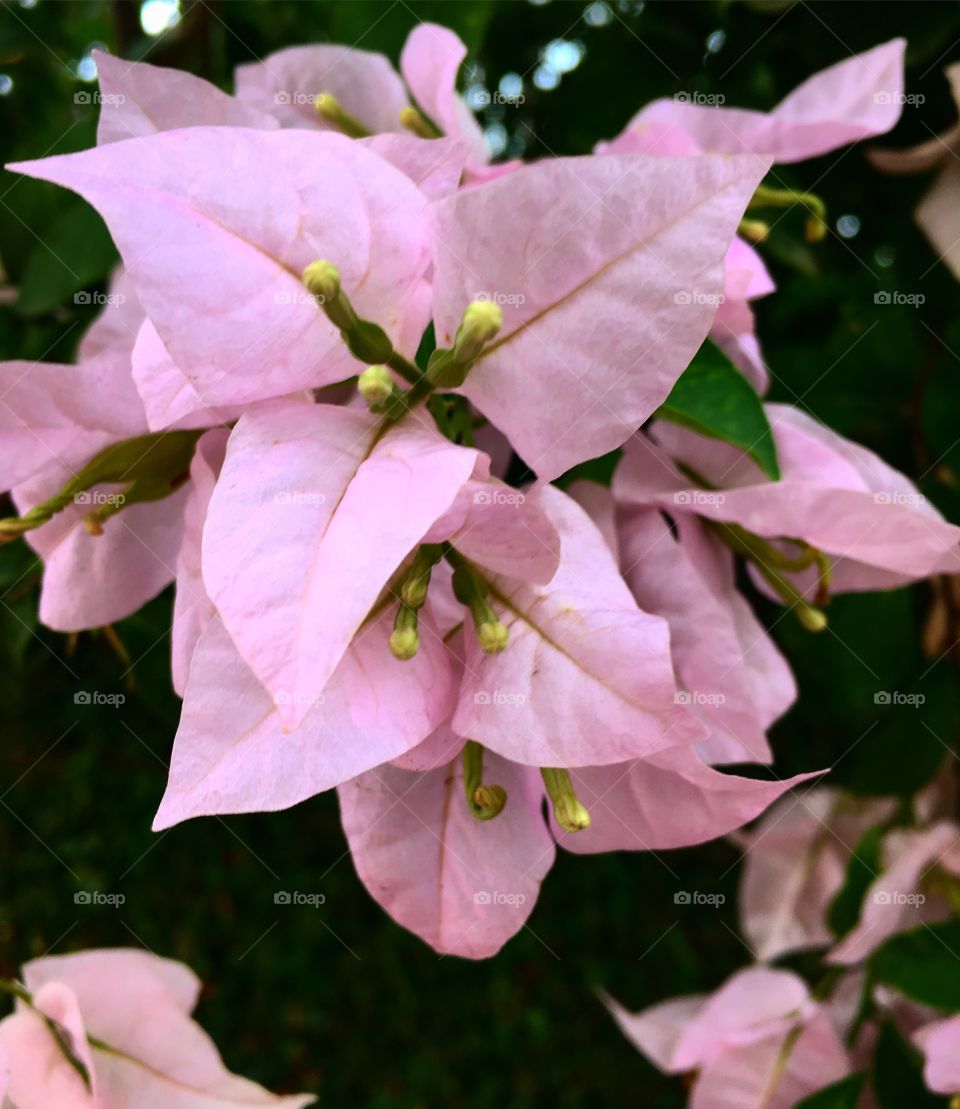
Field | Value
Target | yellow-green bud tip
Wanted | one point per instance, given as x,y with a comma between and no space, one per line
488,801
404,643
814,230
812,619
482,319
755,230
322,278
571,815
375,385
493,637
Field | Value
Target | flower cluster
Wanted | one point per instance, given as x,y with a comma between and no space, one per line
335,333
112,1027
763,1039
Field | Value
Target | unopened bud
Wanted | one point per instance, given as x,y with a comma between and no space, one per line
571,815
493,637
568,812
322,279
404,643
811,618
488,802
481,322
375,385
814,229
754,230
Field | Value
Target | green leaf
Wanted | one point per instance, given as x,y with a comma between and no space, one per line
865,863
76,251
844,1094
923,964
713,398
898,1074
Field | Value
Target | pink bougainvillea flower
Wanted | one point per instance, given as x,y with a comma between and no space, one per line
53,420
287,83
590,668
314,511
759,1042
937,211
139,99
669,799
463,885
215,226
608,271
897,899
795,863
855,99
731,673
734,331
126,1039
192,607
233,752
940,1044
835,495
430,61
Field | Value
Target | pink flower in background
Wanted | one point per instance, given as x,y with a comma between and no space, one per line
940,1044
858,98
937,211
855,99
795,863
759,1042
111,1029
878,530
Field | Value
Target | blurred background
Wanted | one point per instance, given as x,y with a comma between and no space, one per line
338,999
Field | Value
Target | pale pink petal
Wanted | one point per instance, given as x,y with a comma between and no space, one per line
501,529
287,83
55,417
937,216
435,166
605,299
940,1044
138,99
40,1076
233,754
666,800
774,1073
93,580
724,659
586,678
139,1004
311,516
168,396
465,886
657,1031
430,60
114,331
192,608
439,749
891,904
835,494
216,224
795,862
855,99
